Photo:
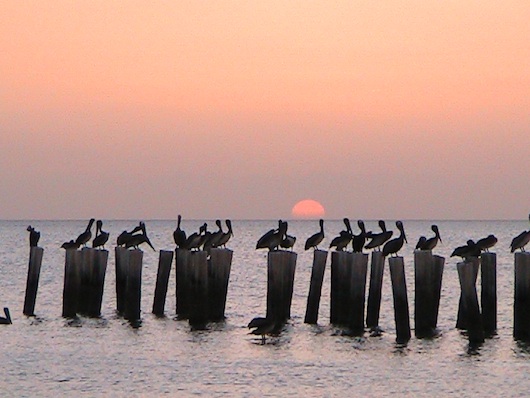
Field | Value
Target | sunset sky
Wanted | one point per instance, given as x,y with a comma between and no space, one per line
391,109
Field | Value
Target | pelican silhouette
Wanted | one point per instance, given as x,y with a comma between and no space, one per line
272,239
7,319
359,240
487,243
226,235
213,239
377,240
469,250
521,240
288,241
179,236
194,240
83,238
125,236
429,244
70,245
101,236
315,239
262,326
421,242
136,240
340,242
34,236
395,245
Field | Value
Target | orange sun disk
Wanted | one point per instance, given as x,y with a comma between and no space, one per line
308,208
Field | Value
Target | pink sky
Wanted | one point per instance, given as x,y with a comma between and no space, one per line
395,109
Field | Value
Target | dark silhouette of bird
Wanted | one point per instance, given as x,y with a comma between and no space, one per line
315,239
288,241
394,246
7,319
487,243
421,242
83,238
213,238
263,327
359,240
226,235
195,239
34,236
101,236
272,239
345,236
469,250
135,240
70,245
125,236
179,236
377,240
521,240
430,243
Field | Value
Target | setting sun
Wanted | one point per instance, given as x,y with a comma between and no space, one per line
308,208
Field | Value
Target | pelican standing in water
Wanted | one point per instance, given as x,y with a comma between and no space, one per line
7,319
262,327
377,240
179,236
315,239
521,240
395,245
34,236
83,238
101,236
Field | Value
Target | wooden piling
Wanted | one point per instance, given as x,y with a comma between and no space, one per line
281,267
198,289
162,280
423,293
377,267
182,288
100,260
71,283
461,321
471,309
219,266
32,283
521,319
134,286
401,304
359,270
86,270
439,262
122,266
340,287
315,288
488,293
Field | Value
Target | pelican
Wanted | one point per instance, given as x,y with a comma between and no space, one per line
7,319
358,241
34,236
379,239
101,236
394,245
70,245
179,236
137,239
421,243
226,235
429,244
215,237
314,240
194,240
469,250
485,244
521,240
344,238
288,241
272,239
125,236
85,236
262,326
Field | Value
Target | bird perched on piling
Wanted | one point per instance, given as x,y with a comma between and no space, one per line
101,236
359,240
135,240
272,239
429,244
377,240
213,238
469,250
7,319
315,239
125,236
83,238
263,326
487,243
70,245
179,236
195,239
395,245
345,236
226,235
34,236
288,241
521,240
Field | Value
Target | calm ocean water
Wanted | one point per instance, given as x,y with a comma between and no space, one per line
48,355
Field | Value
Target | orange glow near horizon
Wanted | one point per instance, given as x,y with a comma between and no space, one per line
308,208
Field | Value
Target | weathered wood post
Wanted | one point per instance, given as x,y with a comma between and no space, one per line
359,270
182,288
471,309
198,289
219,267
86,270
122,267
315,288
401,304
71,283
340,287
461,320
134,286
32,283
281,267
162,280
98,281
521,318
488,293
439,262
423,293
377,268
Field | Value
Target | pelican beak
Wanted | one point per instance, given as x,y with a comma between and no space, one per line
405,237
441,241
